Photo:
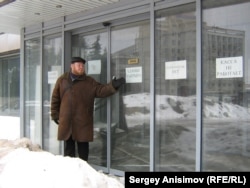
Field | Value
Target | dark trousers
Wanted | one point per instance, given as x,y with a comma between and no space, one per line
82,148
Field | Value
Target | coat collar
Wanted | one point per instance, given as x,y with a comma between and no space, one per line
73,77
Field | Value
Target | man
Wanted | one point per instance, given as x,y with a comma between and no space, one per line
72,106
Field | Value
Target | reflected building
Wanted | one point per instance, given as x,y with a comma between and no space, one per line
178,42
220,43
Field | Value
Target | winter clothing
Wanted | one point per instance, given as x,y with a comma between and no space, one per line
77,59
72,103
118,82
82,147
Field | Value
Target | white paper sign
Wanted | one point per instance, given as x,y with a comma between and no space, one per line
52,77
176,70
229,67
94,67
134,75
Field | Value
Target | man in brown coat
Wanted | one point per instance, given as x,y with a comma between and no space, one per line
72,106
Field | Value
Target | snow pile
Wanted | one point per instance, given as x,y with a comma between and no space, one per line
25,165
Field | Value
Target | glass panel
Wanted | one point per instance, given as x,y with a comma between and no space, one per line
93,47
9,86
130,58
32,89
175,88
226,85
10,97
52,69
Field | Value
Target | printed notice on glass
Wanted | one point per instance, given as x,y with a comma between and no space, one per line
134,75
176,70
229,67
94,67
52,77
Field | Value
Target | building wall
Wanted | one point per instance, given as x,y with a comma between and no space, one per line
10,41
158,122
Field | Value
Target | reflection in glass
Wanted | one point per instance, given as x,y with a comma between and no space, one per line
226,80
52,69
175,88
32,90
10,86
10,97
130,58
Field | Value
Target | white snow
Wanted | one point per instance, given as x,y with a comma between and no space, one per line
9,127
25,165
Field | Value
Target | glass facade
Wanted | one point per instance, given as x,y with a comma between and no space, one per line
10,86
175,88
10,96
162,102
51,69
226,79
33,91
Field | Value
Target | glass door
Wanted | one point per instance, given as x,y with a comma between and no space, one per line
130,58
93,48
121,125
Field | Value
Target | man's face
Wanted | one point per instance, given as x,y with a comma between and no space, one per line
78,68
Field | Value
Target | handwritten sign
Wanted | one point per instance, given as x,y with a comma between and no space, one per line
94,67
176,70
229,67
52,77
134,75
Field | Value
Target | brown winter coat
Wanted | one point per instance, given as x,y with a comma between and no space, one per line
72,103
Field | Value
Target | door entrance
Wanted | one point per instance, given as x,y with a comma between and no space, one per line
130,58
121,122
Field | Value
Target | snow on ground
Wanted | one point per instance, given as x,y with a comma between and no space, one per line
25,165
9,127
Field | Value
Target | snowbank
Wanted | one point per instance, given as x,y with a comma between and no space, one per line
25,165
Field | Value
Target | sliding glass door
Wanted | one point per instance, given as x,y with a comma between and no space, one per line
93,47
130,58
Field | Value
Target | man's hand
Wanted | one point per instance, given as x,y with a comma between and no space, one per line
118,82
